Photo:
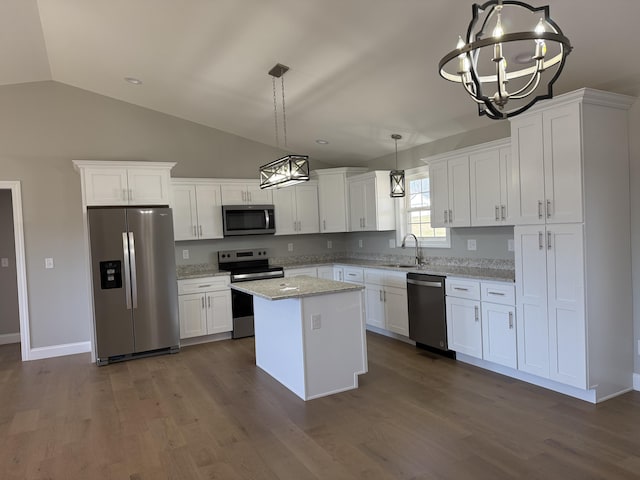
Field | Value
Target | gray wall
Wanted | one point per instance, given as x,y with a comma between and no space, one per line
9,319
634,153
43,126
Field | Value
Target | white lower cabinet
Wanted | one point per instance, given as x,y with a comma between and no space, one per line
464,328
204,306
499,334
386,300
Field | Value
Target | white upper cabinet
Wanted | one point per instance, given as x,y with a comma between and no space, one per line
371,207
110,183
450,192
197,209
333,198
245,192
488,171
296,209
547,166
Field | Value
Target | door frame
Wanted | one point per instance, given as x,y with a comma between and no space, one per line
21,270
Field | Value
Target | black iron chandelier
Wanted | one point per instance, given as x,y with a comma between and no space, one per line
290,169
483,61
396,177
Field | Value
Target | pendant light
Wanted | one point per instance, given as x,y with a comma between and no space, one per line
492,57
290,169
396,176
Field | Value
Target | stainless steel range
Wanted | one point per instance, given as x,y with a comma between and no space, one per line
245,265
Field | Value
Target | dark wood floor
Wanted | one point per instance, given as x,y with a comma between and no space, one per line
210,413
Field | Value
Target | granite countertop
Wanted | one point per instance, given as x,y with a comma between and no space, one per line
200,270
296,287
478,273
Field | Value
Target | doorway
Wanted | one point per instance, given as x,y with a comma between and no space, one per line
15,270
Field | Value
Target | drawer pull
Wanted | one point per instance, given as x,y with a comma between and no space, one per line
461,289
203,286
496,293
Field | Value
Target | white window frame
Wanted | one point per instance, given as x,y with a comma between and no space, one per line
401,216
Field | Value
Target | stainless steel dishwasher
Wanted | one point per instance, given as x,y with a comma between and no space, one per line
427,312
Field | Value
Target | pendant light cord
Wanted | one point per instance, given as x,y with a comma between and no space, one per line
275,111
284,113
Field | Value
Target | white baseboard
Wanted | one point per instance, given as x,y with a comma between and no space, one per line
216,337
9,338
59,350
387,333
636,381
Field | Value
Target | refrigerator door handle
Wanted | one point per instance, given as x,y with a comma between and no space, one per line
134,281
127,275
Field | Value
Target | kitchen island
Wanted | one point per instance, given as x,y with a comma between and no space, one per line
309,333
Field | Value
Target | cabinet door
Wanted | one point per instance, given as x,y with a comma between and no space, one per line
374,306
338,274
332,202
284,200
370,204
531,299
219,317
148,186
233,194
486,180
356,205
505,174
499,334
459,202
439,184
307,208
464,326
527,194
106,186
567,324
185,213
258,196
193,315
396,310
209,204
325,272
562,164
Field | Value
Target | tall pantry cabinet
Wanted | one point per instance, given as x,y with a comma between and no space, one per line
569,197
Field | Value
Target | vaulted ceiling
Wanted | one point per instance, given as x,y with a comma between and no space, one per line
360,69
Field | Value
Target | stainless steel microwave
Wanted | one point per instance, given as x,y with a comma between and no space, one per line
248,220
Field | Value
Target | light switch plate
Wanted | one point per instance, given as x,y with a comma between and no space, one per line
316,322
290,247
4,262
48,263
471,244
392,243
329,244
510,245
360,243
185,254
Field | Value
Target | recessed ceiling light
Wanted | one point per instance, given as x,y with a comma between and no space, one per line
322,142
133,80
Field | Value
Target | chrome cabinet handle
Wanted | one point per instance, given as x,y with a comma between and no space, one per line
127,272
503,209
497,213
511,320
200,227
249,196
380,294
501,294
477,313
461,289
384,296
446,216
540,245
195,233
324,224
450,216
202,300
244,196
548,240
209,302
548,208
130,194
540,209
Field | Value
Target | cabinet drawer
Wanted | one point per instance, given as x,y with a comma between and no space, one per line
498,292
462,288
353,275
205,284
374,276
395,279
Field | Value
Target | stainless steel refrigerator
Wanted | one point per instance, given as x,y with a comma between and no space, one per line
135,292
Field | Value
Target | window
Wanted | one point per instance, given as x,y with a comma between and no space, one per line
415,214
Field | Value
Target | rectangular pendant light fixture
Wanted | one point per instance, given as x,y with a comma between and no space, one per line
397,183
285,171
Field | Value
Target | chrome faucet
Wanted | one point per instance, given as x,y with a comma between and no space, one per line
417,258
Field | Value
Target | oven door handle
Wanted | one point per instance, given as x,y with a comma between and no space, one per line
267,219
255,276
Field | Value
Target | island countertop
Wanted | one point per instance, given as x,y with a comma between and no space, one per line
293,287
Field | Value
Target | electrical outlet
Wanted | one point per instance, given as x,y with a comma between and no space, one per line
392,243
471,244
4,262
316,322
48,263
510,245
290,247
329,244
360,243
185,254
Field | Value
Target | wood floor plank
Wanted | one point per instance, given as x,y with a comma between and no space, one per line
210,413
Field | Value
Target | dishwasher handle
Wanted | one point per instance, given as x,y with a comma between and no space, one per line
424,283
